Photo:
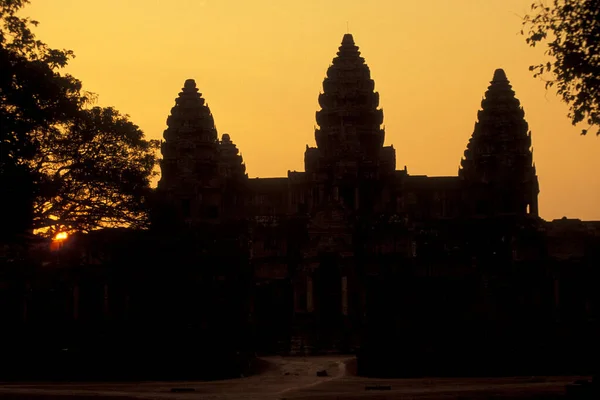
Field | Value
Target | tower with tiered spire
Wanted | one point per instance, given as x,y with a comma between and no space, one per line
234,178
190,182
349,120
497,171
231,163
349,136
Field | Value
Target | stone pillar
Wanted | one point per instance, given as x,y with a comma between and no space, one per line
344,295
309,294
296,290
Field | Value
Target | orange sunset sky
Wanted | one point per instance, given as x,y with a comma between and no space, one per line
260,65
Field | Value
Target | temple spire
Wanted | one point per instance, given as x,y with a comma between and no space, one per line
348,41
499,151
232,163
190,146
349,120
499,76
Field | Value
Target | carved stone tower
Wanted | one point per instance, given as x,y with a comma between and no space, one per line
190,183
231,163
234,177
349,120
349,156
497,170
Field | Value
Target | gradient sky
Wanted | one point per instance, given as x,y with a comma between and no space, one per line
260,65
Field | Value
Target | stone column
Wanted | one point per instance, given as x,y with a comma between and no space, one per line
295,294
309,294
296,291
344,295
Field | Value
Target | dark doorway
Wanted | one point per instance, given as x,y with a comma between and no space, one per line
328,291
273,312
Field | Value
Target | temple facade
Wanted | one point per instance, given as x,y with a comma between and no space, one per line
350,255
352,241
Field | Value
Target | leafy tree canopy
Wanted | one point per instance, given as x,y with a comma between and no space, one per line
62,162
571,30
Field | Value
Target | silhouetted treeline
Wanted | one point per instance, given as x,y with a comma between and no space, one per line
63,163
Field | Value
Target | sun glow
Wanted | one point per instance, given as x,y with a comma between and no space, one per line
61,236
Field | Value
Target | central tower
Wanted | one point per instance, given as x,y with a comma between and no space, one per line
349,120
350,160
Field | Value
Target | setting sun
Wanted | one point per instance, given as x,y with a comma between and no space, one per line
61,236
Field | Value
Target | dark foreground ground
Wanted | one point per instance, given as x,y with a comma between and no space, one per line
296,378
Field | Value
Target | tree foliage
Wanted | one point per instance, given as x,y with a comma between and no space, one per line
95,173
62,163
571,29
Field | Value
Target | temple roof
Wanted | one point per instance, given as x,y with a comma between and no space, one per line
348,50
348,40
499,76
190,148
349,119
500,139
348,72
190,85
230,158
191,115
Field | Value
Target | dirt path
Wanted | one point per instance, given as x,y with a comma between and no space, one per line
283,376
296,378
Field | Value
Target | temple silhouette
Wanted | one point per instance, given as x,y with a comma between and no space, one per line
350,255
